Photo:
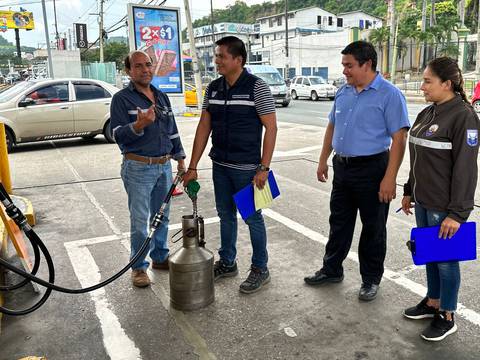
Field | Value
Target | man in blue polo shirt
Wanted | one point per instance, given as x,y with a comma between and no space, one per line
145,130
368,131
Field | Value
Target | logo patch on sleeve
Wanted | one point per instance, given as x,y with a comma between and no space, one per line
472,137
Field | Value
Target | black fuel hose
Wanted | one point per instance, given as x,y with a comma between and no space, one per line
38,245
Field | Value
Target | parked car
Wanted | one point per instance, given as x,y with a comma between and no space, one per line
476,98
338,82
125,80
313,87
55,109
274,80
191,95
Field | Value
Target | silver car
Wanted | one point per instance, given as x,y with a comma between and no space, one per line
55,109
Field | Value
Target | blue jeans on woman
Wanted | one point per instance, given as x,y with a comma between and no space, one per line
146,186
443,278
227,182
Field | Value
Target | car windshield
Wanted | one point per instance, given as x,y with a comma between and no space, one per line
317,80
7,94
271,78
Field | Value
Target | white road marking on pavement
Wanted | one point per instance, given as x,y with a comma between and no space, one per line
327,193
87,192
117,344
290,332
393,276
296,152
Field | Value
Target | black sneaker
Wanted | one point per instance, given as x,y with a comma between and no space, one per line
255,280
220,269
420,311
440,328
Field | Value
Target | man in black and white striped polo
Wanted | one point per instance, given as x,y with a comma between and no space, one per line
236,108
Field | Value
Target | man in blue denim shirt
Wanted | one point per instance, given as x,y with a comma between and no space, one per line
368,131
145,130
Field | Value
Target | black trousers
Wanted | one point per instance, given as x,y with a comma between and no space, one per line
355,188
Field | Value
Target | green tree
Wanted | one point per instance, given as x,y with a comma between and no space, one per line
113,52
379,38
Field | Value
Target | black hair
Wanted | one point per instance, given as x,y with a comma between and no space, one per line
235,47
446,69
362,51
128,59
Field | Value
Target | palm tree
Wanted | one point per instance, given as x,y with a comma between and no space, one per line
379,38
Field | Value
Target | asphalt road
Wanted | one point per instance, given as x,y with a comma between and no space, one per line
310,112
82,216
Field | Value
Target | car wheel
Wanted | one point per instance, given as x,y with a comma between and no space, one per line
476,106
332,97
294,95
314,96
108,133
285,103
10,139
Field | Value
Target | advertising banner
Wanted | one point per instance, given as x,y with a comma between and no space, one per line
16,20
81,35
156,30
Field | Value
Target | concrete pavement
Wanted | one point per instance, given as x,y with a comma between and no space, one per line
82,215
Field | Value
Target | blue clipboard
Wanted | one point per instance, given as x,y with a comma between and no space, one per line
427,247
245,201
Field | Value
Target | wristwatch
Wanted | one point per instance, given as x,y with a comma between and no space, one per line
261,167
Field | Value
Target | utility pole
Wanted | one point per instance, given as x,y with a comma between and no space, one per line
433,18
477,62
193,53
57,37
461,13
392,44
17,41
49,50
213,36
100,25
424,28
286,40
69,39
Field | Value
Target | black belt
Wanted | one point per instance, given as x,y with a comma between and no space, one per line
347,160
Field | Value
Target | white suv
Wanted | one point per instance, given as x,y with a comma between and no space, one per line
313,87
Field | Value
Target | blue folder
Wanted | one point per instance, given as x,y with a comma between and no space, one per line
245,201
427,247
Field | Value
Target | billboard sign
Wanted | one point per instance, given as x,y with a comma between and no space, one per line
156,30
81,35
16,20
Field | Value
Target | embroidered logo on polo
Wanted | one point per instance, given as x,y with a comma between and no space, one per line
472,137
214,93
431,130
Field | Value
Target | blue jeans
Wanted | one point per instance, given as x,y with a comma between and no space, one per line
227,182
443,278
146,187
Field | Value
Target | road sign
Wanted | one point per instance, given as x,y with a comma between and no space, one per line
81,35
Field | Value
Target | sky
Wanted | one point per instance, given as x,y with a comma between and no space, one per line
77,11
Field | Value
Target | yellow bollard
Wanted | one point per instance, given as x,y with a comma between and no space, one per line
4,166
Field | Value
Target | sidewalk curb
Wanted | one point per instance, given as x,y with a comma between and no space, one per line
26,207
415,99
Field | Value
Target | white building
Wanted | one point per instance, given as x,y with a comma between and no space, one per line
360,19
204,42
315,40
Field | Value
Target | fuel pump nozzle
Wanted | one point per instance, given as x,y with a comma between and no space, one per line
192,190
